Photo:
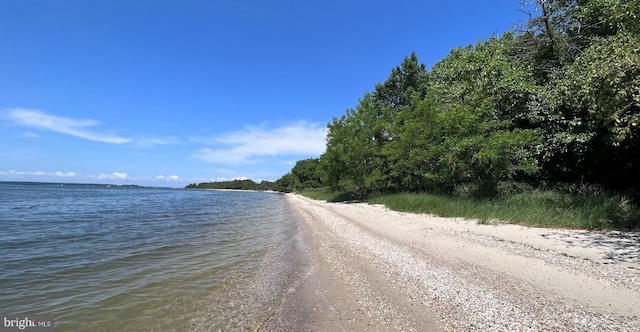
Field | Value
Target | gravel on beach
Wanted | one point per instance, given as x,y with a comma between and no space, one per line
366,268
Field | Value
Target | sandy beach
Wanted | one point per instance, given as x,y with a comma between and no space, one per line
366,268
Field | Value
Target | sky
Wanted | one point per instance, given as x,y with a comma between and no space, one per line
167,93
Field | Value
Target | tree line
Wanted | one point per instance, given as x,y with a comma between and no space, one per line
246,184
554,102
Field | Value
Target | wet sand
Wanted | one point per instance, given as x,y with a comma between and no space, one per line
365,268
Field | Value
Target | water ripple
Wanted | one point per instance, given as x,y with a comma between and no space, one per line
101,258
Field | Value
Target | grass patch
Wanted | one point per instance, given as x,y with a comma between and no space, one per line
325,194
594,210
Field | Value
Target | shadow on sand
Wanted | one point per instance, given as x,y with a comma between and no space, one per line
619,247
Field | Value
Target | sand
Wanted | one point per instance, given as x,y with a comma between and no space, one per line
366,268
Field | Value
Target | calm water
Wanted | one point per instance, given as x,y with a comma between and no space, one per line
138,259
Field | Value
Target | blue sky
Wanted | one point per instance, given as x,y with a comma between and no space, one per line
167,93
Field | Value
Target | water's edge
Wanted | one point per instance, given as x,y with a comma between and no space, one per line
147,259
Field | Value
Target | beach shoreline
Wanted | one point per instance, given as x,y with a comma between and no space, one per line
364,267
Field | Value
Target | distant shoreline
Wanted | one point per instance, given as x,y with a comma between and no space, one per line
237,190
39,183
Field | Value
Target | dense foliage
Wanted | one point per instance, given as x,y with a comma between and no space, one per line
556,102
233,184
304,174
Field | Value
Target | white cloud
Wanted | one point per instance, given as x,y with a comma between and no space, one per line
255,142
222,179
38,173
168,178
146,142
114,175
65,175
77,128
30,134
36,176
21,173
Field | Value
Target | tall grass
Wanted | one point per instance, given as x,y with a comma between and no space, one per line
592,210
325,194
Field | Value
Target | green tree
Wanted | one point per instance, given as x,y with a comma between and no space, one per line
353,158
487,76
558,31
557,101
307,173
463,147
405,83
287,183
393,102
591,115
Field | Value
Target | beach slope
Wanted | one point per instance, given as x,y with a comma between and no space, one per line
365,268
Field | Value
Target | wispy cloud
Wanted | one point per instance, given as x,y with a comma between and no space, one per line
65,174
12,173
257,142
30,134
114,175
148,142
73,127
168,178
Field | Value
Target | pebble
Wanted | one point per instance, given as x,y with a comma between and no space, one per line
463,297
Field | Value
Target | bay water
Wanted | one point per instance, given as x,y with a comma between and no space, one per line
102,258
